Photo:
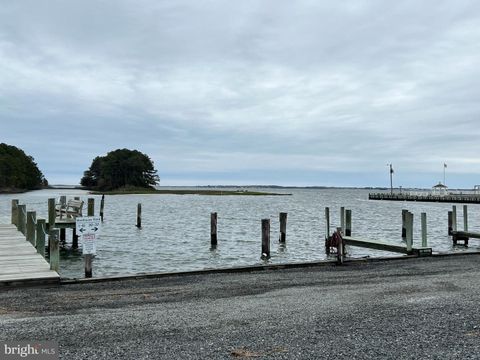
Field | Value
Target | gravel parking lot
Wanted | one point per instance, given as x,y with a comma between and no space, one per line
404,309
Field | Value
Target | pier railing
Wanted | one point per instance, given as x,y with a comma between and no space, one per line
451,198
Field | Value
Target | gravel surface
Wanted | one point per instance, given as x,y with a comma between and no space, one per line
425,308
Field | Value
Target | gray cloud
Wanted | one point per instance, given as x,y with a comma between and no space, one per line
310,92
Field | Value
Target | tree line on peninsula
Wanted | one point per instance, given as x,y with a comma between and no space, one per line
119,169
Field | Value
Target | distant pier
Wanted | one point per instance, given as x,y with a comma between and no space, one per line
451,198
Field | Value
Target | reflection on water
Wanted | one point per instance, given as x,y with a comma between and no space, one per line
176,228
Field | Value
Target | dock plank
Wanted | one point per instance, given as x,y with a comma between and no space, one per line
19,261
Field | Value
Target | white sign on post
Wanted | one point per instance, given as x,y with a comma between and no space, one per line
88,229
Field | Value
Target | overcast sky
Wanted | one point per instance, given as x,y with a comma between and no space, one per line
247,92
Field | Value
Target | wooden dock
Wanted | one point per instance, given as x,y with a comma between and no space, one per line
20,263
453,198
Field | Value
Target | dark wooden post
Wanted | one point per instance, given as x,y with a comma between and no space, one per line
91,207
40,242
409,228
102,205
63,234
454,217
14,212
265,238
348,222
283,227
327,231
404,219
340,248
75,238
139,215
213,229
22,219
342,219
465,218
63,204
450,223
424,229
88,265
31,223
51,214
54,249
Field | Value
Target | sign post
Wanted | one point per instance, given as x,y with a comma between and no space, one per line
88,229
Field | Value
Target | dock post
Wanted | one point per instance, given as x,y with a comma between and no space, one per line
340,247
465,218
450,223
139,215
348,222
40,243
54,249
213,229
51,213
342,219
31,222
409,231
14,211
88,265
327,230
424,229
63,234
22,218
63,204
91,207
404,219
75,238
265,239
454,218
102,205
283,227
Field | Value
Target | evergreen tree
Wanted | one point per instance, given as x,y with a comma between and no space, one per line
120,168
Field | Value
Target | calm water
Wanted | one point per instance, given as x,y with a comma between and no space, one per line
176,228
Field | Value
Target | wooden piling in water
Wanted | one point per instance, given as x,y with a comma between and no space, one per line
424,229
450,223
22,219
139,215
31,222
102,205
51,213
340,247
91,207
409,231
53,240
40,237
14,212
404,229
265,238
342,219
213,229
327,230
88,265
454,218
348,222
75,238
465,218
283,227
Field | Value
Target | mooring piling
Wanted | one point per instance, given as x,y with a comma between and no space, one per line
340,246
51,213
424,229
327,222
102,205
465,218
139,215
450,223
91,207
454,218
265,239
409,231
213,229
348,222
22,219
283,227
54,249
40,236
88,265
342,219
404,219
31,220
14,212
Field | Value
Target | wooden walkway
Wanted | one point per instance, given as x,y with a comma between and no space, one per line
19,261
